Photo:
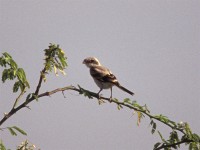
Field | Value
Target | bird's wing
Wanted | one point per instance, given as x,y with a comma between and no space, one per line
103,74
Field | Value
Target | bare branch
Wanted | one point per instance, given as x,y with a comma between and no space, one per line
40,81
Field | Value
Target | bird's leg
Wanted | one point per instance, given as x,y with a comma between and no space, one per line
110,95
99,93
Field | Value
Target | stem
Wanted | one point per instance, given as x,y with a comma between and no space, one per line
24,105
14,110
148,114
17,99
40,81
174,144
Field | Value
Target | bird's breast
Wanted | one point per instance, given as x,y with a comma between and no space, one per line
103,85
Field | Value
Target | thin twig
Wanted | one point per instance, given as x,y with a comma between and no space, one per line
174,144
17,99
40,81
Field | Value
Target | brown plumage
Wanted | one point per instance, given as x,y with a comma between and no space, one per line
102,76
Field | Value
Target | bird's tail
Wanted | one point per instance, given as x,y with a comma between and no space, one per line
124,89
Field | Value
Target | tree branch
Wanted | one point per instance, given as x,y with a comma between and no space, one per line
40,81
174,144
94,95
14,110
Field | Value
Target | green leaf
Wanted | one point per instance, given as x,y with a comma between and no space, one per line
13,64
167,148
19,130
161,137
2,62
195,137
2,147
21,75
6,55
190,146
6,59
27,84
146,108
153,128
156,145
12,131
152,122
184,137
119,107
55,59
127,100
173,138
8,74
16,86
135,104
115,99
193,146
86,93
4,75
188,130
172,122
162,118
13,72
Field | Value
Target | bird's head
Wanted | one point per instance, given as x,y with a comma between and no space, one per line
91,61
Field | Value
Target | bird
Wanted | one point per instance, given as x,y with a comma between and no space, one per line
102,76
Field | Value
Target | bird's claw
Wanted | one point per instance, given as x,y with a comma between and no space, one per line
99,96
110,99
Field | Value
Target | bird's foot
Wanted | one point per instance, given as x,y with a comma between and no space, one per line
110,99
99,96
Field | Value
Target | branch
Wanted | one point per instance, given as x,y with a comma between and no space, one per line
174,144
17,99
94,95
80,90
24,105
40,81
14,110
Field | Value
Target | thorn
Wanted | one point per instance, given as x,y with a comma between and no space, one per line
28,107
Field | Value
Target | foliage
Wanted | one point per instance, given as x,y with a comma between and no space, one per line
174,141
14,129
2,147
55,60
26,146
13,72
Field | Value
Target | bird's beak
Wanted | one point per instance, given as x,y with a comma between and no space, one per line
83,62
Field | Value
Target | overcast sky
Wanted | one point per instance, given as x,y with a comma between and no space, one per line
152,46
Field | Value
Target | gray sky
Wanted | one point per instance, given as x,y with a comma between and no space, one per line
152,46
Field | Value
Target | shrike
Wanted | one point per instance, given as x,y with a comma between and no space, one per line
103,76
